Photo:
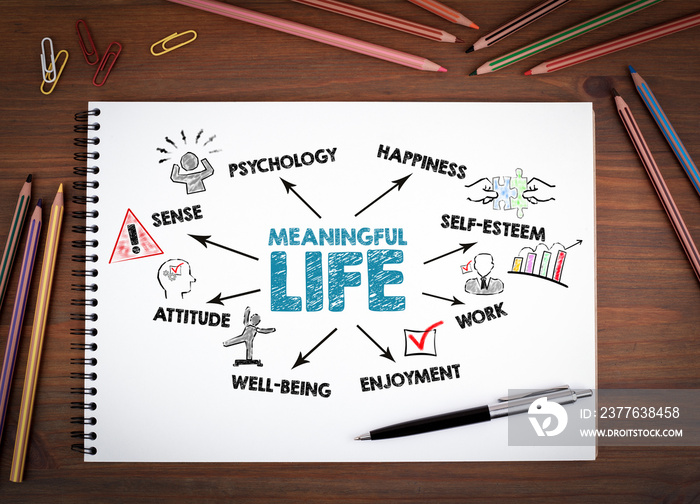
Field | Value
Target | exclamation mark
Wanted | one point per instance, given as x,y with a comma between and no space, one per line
134,238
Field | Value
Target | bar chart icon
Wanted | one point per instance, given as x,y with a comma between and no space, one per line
543,262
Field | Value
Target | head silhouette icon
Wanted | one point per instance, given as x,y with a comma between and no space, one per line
189,161
175,277
483,264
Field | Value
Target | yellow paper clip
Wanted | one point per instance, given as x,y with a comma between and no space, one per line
169,38
48,74
58,75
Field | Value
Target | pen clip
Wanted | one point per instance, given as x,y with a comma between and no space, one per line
167,39
87,53
48,69
536,393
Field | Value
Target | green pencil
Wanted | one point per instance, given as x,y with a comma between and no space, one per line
563,36
16,225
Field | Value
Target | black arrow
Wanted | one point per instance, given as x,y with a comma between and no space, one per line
205,239
579,242
398,184
462,246
302,359
385,353
454,300
290,187
219,300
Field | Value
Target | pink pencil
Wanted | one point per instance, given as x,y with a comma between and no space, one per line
380,19
658,182
445,12
618,44
304,31
25,277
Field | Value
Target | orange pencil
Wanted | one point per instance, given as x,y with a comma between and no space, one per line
445,12
40,315
658,182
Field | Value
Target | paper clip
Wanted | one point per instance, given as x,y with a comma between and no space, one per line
93,50
169,38
48,72
109,56
60,71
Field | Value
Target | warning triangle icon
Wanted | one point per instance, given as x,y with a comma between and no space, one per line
133,241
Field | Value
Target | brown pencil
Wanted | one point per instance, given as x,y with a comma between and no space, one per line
8,255
658,182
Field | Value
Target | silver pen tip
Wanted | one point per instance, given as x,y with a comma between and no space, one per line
363,437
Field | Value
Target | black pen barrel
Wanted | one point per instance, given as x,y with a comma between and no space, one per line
432,423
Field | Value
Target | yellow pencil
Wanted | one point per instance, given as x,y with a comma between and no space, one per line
40,315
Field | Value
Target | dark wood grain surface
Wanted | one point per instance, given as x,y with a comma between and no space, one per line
648,297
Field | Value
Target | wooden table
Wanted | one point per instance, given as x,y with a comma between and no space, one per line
648,297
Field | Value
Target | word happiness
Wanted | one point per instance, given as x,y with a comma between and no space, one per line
272,164
439,166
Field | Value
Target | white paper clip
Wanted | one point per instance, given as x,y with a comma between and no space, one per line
48,66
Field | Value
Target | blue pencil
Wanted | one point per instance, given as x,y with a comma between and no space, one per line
666,128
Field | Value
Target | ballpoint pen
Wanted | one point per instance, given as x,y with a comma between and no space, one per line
505,406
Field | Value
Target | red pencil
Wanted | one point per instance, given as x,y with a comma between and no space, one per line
445,12
658,182
618,44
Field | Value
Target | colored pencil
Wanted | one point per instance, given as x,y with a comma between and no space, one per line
618,44
666,128
512,26
25,277
564,36
304,31
445,12
658,182
8,256
380,19
37,341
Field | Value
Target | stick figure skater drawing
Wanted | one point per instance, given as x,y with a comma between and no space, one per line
247,336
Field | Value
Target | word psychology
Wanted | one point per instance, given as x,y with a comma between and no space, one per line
480,316
167,217
288,161
193,317
338,280
488,226
337,236
292,387
414,377
436,165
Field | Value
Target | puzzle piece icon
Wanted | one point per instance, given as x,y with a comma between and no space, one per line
505,193
519,183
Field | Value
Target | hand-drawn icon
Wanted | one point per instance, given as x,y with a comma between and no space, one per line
247,336
175,277
510,193
133,241
483,285
190,173
543,262
421,342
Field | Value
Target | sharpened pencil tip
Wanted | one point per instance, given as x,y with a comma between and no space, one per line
29,177
441,69
459,40
632,70
39,204
474,25
473,73
529,72
614,92
469,49
60,188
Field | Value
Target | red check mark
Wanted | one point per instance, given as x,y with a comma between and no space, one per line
174,270
420,344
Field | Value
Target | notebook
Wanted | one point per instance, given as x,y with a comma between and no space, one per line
268,281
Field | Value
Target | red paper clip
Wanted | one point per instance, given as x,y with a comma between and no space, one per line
107,57
86,53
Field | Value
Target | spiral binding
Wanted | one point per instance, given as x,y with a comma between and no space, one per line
86,286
